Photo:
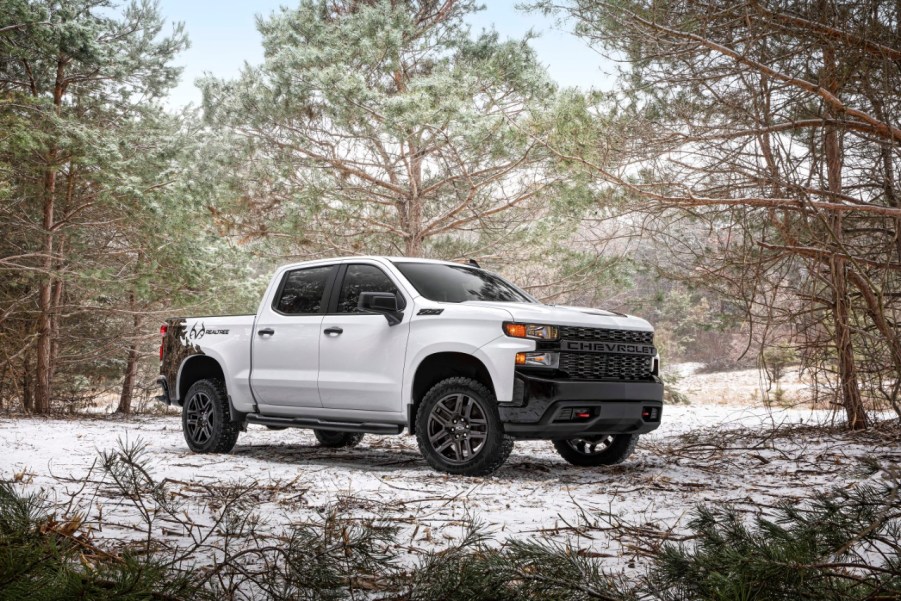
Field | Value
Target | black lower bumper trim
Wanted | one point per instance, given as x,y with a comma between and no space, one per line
560,409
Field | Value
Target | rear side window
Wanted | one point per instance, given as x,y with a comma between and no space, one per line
363,278
302,291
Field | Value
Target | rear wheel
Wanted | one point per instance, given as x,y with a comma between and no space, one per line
337,440
206,418
458,429
592,451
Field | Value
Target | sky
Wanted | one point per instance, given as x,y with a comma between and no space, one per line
223,37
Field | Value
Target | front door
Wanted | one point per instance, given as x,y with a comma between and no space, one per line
286,338
361,357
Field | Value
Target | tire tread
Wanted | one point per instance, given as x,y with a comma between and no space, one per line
228,431
620,449
485,463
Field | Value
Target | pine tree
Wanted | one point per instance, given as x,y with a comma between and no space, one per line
73,75
380,126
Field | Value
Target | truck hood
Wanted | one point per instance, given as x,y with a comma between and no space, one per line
566,316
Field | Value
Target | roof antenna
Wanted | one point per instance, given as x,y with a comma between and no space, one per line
474,263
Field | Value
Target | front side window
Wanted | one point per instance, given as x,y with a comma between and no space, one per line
363,278
303,290
459,283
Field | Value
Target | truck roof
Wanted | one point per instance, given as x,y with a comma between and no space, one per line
378,258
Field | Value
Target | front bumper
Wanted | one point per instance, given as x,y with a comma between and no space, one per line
560,409
164,396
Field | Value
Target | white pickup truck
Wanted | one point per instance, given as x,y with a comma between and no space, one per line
454,354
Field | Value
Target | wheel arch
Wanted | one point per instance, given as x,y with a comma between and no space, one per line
192,370
439,366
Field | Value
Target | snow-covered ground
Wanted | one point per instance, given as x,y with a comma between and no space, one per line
701,453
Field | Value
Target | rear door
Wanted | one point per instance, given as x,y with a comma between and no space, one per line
361,357
286,338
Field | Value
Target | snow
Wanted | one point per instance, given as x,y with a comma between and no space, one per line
701,453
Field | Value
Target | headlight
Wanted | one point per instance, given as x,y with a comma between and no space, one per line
551,360
530,330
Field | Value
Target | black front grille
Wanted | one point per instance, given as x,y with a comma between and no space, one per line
605,335
595,366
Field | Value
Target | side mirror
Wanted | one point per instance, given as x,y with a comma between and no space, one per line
384,303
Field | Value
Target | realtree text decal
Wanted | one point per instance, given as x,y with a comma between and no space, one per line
198,332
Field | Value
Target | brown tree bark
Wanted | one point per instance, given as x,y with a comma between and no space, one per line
58,283
131,365
414,204
44,368
45,297
27,385
841,312
56,297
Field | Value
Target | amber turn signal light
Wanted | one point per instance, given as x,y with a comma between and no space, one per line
516,330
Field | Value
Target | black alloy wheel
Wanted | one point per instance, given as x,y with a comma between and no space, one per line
198,411
591,445
206,418
458,428
592,451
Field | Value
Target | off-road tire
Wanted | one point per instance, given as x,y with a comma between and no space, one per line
338,440
497,446
618,451
220,433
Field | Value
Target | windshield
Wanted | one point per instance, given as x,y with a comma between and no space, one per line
459,283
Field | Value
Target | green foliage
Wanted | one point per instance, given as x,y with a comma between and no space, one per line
777,358
690,324
330,558
841,547
42,558
521,569
103,198
386,128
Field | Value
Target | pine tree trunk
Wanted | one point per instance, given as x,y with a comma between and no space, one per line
45,298
414,205
131,365
889,190
56,298
27,385
847,370
413,247
841,301
44,368
3,384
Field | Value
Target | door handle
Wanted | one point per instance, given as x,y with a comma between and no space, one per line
265,332
333,330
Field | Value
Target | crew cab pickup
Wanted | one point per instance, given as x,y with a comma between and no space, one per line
451,353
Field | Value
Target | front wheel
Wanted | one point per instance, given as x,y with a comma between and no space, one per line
459,430
592,451
206,419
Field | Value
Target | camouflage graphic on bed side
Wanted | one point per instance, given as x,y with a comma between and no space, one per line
179,343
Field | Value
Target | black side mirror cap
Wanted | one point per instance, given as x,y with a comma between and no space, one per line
383,303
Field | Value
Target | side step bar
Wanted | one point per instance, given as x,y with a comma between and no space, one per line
318,424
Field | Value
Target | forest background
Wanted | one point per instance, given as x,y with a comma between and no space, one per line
736,185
